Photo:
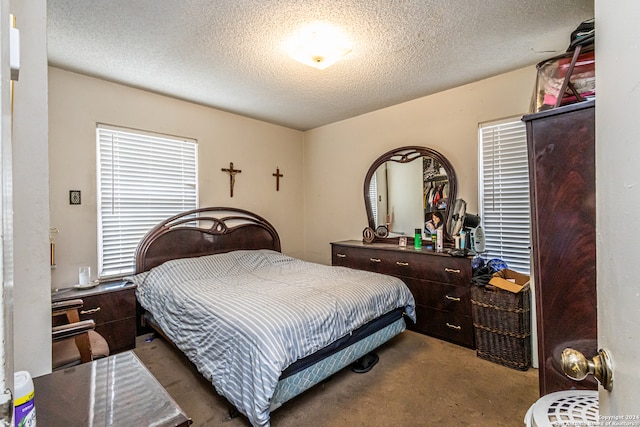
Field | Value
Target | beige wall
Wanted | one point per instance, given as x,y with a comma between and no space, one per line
337,156
77,103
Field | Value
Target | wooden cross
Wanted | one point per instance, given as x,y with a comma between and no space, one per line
232,176
278,175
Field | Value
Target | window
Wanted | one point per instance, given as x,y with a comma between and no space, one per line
504,192
143,178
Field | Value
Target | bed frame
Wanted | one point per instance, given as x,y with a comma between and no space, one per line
215,230
204,231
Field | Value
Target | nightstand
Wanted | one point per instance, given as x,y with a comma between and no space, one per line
112,306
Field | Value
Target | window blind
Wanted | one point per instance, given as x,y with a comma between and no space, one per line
143,178
373,197
504,192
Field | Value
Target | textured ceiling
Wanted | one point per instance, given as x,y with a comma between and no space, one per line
229,54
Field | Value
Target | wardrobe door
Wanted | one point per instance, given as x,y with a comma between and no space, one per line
561,145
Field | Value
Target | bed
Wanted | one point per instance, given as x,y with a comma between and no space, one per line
261,326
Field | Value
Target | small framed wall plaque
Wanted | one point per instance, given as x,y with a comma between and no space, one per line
74,197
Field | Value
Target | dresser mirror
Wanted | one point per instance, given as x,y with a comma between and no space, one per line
405,186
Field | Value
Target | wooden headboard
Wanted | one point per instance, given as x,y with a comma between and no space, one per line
204,231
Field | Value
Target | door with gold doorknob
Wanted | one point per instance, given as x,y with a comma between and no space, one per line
618,208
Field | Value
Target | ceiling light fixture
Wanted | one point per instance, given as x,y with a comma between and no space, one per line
318,47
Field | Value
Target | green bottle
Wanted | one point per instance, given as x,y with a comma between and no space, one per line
417,240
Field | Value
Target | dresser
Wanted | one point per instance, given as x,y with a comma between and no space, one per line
112,306
561,144
440,284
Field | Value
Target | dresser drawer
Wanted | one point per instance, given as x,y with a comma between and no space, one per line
440,295
449,326
108,307
405,263
443,269
361,259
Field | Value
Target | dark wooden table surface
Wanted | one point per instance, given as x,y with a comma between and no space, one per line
114,391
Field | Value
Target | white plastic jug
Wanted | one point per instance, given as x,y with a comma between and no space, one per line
23,402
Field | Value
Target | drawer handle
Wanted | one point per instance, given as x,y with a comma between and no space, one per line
374,259
90,311
451,270
449,297
403,264
457,328
341,255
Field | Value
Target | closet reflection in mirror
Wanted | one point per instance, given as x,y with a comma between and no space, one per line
404,187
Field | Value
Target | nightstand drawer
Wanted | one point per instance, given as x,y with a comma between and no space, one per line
108,307
120,334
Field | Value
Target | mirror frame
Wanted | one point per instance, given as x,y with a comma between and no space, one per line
406,155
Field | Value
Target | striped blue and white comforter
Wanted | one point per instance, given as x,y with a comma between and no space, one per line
244,316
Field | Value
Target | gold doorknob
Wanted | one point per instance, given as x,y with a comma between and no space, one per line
576,366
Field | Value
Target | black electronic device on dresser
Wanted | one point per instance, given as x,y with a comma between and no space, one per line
112,306
439,282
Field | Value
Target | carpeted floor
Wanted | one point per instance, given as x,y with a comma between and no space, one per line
419,381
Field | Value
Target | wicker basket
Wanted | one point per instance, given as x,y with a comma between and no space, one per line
502,325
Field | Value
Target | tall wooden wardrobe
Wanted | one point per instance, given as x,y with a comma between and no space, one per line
561,144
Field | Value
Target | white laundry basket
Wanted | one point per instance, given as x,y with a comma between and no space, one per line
564,408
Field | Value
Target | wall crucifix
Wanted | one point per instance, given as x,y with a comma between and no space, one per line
232,176
278,175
